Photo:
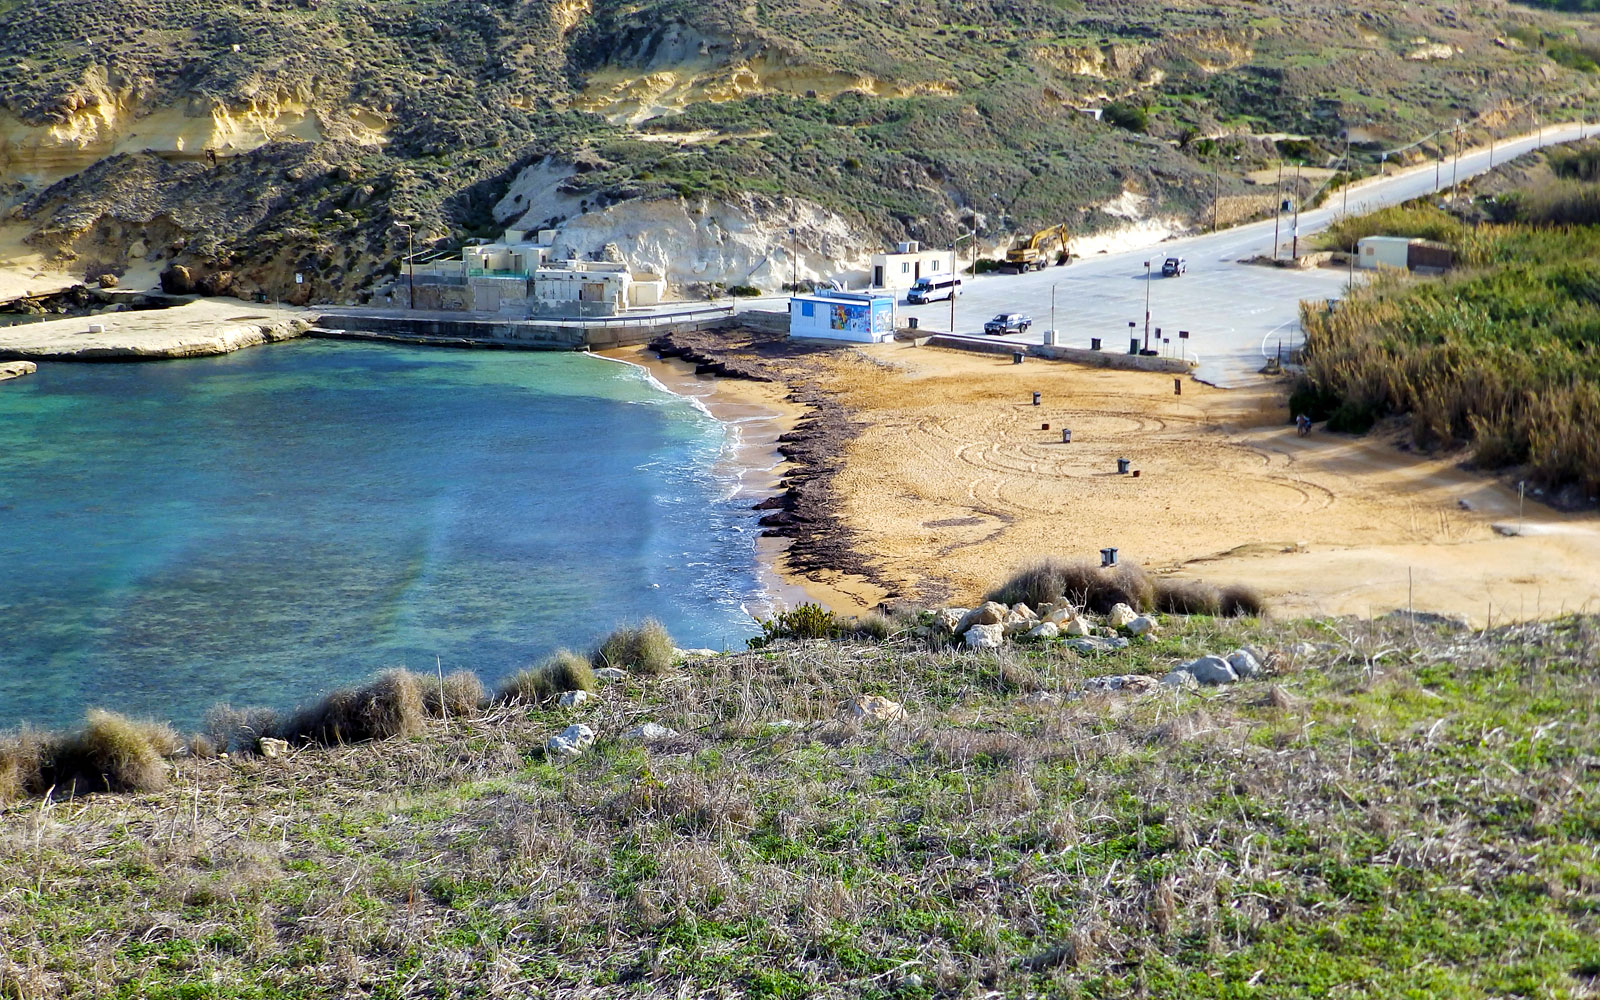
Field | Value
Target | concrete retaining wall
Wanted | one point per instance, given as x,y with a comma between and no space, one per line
765,320
1076,355
507,333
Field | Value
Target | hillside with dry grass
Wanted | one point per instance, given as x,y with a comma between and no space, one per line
1388,808
332,119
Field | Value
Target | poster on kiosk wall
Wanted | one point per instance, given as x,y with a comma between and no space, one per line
872,320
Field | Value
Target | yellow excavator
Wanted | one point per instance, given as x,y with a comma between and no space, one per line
1047,246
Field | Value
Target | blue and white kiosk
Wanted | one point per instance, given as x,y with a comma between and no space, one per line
854,316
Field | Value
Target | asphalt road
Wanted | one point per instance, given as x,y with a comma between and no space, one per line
1236,314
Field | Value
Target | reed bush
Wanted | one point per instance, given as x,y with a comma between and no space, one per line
1082,582
111,753
1187,597
1241,600
558,673
389,705
458,695
235,730
1502,355
644,648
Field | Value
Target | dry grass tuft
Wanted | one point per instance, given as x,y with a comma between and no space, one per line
1079,581
111,753
1187,597
561,671
390,705
19,765
873,625
645,648
235,730
1241,600
460,695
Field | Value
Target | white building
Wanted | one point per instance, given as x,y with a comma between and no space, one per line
898,271
859,317
520,277
1383,251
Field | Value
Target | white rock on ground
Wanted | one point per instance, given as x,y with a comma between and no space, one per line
874,708
1211,669
1120,616
573,699
571,741
946,619
611,674
1045,630
1015,624
1060,614
987,613
1142,625
272,748
984,636
1180,678
650,731
1040,699
1122,683
693,654
1077,625
1244,663
1022,609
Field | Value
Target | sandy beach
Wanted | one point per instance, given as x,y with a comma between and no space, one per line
952,481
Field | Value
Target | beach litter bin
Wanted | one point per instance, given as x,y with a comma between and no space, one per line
1036,399
911,322
1094,343
1066,435
1122,466
1108,558
1133,345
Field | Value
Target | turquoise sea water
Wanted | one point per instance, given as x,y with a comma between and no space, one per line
261,527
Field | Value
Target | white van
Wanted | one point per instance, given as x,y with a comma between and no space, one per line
933,289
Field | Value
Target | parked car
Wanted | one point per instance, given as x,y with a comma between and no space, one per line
1174,267
929,289
1007,323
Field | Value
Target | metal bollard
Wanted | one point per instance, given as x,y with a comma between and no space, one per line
1177,387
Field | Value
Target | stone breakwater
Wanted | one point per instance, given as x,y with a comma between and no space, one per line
195,329
16,369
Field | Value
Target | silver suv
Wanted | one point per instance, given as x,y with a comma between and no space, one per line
1007,323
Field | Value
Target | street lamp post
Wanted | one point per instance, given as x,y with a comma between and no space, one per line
794,262
1294,251
1277,212
1455,166
1053,308
1147,305
411,265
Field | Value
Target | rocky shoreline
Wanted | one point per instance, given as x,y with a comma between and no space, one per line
16,369
195,329
806,511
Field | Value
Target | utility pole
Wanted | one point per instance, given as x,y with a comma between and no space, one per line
955,273
1277,213
1455,167
411,265
1053,309
1147,304
794,263
1294,251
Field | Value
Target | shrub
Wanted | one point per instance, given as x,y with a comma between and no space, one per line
1083,583
873,625
390,705
560,672
746,291
457,695
236,729
1187,597
1129,116
19,766
111,753
805,621
1242,601
645,648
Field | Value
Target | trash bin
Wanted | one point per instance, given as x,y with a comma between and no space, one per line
912,322
1016,357
1108,558
1122,466
1133,345
1094,343
1066,435
1036,399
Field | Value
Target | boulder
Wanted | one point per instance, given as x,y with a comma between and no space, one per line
945,620
987,613
570,742
1120,616
611,674
1042,631
177,280
1211,669
1022,609
573,699
1097,644
1244,663
1142,625
984,636
1077,625
271,748
873,708
107,280
1015,624
1060,614
1180,678
650,731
